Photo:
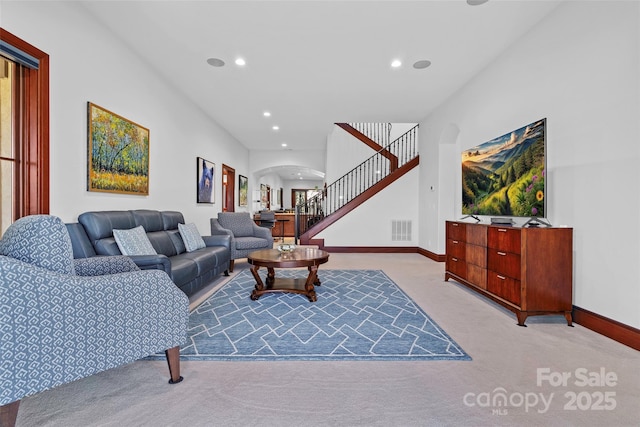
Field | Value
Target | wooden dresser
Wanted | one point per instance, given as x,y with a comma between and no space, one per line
527,270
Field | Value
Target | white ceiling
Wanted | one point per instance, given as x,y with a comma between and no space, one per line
314,63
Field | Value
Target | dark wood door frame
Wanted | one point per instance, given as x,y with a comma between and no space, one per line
228,188
268,197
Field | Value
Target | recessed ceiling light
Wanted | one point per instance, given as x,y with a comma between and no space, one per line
266,114
215,62
240,62
283,144
396,63
423,63
476,2
275,127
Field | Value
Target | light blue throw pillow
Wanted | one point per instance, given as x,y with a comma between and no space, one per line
191,237
134,241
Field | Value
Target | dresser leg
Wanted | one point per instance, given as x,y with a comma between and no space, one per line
522,316
567,315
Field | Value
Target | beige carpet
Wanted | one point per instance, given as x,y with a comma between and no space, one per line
506,359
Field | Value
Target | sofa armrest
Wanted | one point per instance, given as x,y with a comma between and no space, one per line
218,240
216,229
82,247
153,262
263,232
103,265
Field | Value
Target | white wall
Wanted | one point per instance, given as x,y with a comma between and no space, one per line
579,68
274,182
370,223
344,152
399,129
87,63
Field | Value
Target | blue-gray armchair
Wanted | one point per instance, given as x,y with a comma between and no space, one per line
246,236
63,319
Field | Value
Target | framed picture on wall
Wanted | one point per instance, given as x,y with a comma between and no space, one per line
243,190
117,153
263,196
205,183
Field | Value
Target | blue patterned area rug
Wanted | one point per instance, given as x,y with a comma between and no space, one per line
359,315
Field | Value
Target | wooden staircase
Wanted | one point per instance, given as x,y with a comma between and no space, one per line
336,200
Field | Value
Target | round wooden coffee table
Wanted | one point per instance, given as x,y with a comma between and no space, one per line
299,257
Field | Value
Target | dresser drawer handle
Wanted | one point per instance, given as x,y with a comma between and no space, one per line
501,277
502,230
454,259
455,242
502,253
454,224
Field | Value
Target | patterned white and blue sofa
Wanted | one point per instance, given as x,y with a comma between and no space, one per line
62,319
190,270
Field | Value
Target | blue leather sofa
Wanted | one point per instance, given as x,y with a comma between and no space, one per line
93,235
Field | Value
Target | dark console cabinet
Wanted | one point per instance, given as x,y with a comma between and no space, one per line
527,270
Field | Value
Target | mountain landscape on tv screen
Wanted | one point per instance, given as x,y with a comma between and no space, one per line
506,176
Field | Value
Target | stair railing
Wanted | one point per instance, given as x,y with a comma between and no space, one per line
378,132
359,179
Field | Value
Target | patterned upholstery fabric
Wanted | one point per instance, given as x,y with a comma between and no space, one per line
134,241
101,265
246,236
239,222
191,237
41,240
59,327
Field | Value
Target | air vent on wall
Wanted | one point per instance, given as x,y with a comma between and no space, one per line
400,230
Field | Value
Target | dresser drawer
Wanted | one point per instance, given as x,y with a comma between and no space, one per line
477,234
476,255
456,248
457,266
477,276
506,239
505,263
456,230
504,287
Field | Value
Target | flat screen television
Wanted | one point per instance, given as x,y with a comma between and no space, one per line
507,175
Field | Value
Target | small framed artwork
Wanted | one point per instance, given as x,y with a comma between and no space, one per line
263,196
243,190
205,173
117,153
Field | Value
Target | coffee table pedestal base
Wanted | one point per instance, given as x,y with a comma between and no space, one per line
282,284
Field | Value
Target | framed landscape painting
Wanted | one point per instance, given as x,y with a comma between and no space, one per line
243,190
206,174
118,153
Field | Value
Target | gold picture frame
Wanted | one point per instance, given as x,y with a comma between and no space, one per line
117,153
243,190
